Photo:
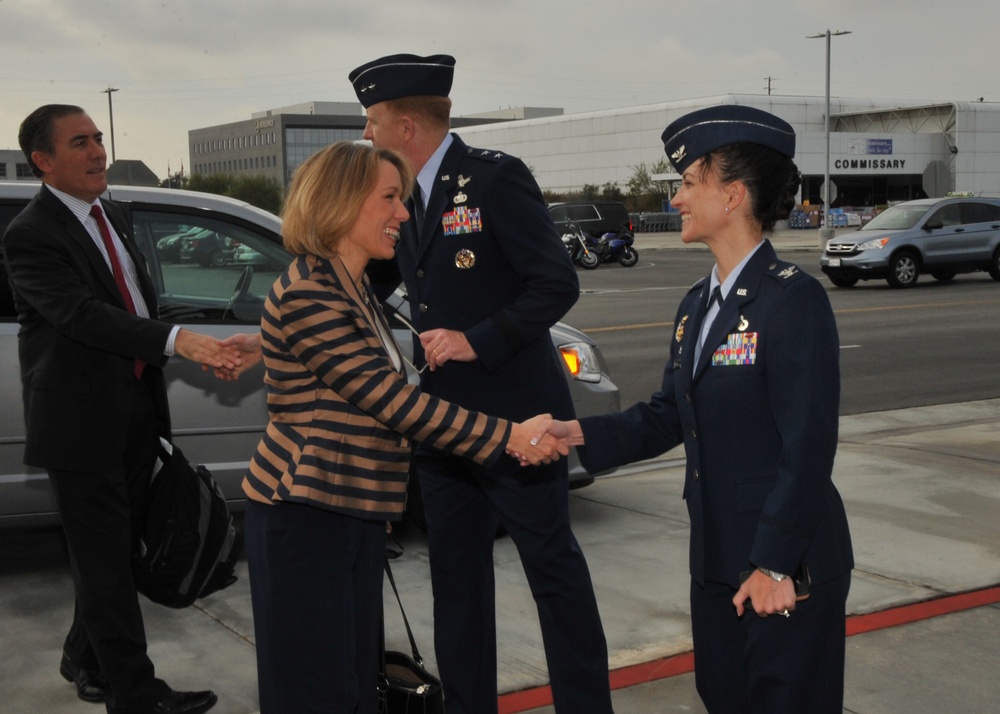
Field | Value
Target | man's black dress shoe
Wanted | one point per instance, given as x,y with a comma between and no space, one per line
186,703
90,686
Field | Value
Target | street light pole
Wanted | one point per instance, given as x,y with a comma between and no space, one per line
111,120
827,233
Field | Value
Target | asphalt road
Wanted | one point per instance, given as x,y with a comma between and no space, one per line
935,343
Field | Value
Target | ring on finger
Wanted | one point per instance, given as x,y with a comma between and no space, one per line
785,613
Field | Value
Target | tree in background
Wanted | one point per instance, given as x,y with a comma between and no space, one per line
645,193
177,179
260,191
611,192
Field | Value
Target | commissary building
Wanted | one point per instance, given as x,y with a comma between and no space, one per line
880,151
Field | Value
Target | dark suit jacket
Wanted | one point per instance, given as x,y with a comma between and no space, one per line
77,341
491,265
758,419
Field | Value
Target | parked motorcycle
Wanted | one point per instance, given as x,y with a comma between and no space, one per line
581,247
617,246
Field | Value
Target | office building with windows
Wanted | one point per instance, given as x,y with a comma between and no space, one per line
14,167
274,142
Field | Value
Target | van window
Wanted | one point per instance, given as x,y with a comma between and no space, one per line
207,269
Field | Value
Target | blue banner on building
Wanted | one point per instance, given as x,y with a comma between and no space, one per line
870,146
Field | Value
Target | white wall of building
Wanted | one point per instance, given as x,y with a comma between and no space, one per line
977,141
599,147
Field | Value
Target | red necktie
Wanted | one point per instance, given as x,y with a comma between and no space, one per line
116,269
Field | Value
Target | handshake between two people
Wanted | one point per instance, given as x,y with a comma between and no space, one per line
542,439
539,440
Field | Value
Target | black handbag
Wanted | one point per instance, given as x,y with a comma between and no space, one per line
405,687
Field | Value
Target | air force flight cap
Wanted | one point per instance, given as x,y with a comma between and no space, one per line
699,133
398,76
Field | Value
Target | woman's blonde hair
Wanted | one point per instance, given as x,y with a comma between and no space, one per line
327,191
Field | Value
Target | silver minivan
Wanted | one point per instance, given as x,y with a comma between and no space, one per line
215,423
939,236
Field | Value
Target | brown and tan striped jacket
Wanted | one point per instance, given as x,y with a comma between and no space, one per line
341,418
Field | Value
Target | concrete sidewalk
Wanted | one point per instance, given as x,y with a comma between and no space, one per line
788,239
922,490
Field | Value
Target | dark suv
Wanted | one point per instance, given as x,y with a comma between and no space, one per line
595,217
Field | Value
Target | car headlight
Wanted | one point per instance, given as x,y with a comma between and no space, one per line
581,360
875,244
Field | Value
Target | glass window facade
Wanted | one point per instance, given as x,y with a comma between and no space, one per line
303,142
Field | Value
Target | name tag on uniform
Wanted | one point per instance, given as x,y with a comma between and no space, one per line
740,348
461,221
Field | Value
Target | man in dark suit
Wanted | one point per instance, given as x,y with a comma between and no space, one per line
487,276
95,402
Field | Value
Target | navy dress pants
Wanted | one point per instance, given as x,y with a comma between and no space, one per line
463,504
774,664
316,589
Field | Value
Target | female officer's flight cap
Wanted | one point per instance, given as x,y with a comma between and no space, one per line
398,76
699,133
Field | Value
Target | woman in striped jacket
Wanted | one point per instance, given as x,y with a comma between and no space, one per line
332,466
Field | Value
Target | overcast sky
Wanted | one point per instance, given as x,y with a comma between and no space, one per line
187,64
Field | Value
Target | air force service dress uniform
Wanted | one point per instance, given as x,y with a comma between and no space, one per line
487,261
757,413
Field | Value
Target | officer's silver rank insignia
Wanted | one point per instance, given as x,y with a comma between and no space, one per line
744,324
461,197
679,333
465,258
462,180
679,154
788,272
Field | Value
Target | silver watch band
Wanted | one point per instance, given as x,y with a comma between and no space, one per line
776,577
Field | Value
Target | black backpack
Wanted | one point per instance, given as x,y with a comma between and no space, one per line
188,541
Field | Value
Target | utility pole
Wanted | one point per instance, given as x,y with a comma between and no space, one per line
827,232
111,119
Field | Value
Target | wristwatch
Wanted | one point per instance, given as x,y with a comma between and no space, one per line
776,577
